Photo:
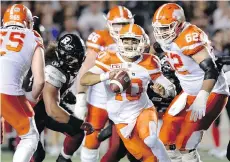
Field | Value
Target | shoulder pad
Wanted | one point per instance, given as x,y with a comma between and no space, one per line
151,62
191,40
38,39
54,76
96,40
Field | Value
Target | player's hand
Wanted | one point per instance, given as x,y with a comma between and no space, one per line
87,127
158,88
198,107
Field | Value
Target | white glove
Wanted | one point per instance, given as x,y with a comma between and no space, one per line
198,107
81,110
30,97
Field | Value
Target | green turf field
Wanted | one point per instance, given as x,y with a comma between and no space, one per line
7,157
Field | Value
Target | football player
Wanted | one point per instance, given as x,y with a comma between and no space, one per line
132,112
20,49
95,111
63,60
205,90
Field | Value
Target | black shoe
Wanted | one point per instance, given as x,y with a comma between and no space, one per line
62,159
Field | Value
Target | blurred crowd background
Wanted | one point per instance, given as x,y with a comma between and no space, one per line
56,18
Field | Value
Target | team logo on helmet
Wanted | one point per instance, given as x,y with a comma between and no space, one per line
66,42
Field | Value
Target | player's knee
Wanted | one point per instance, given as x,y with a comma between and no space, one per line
91,141
166,135
151,140
31,138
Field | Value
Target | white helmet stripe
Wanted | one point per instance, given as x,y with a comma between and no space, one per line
130,28
121,11
12,9
159,11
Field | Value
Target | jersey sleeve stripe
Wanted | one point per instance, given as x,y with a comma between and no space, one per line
155,76
193,46
154,71
104,67
93,45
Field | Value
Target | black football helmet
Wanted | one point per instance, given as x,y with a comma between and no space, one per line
71,52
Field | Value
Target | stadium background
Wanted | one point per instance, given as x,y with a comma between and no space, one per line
57,18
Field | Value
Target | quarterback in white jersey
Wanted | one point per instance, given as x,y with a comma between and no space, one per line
21,48
95,109
131,110
205,91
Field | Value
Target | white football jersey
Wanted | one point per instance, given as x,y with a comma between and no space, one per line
125,107
99,40
190,41
16,52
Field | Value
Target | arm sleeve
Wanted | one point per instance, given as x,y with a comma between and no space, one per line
155,70
103,61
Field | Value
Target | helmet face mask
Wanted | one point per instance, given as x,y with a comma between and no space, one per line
131,47
165,34
114,28
167,23
131,42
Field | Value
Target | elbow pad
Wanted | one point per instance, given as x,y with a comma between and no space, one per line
54,76
210,69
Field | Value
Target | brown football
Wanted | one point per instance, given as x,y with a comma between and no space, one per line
120,82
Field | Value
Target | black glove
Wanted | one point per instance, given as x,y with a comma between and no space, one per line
80,124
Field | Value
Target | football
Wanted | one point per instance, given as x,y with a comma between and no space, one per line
120,82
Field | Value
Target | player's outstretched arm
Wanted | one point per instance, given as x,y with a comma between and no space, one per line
51,100
90,78
37,67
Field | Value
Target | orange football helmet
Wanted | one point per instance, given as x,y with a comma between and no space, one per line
167,22
131,40
18,15
116,17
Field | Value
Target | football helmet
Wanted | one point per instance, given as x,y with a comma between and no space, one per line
117,17
131,40
167,23
18,15
71,51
